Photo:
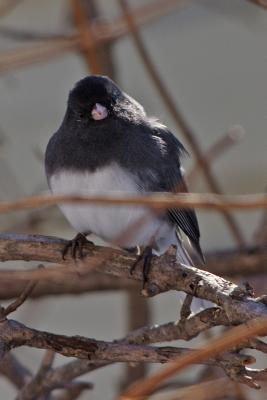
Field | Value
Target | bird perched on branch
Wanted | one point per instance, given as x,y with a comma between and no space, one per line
107,144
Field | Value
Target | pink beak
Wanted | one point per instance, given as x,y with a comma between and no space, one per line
99,112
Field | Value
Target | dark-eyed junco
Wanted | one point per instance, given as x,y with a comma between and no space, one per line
107,144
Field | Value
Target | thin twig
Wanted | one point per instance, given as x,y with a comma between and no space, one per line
224,143
14,371
156,201
260,235
261,3
186,307
37,53
17,34
28,392
8,6
20,300
216,389
144,388
105,32
138,314
74,390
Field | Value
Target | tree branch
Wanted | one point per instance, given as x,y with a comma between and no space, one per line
165,274
15,334
155,201
14,371
54,281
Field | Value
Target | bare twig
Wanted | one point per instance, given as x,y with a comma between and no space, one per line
74,389
55,280
43,51
237,263
137,315
23,34
185,330
14,371
260,236
157,201
186,307
216,389
142,389
230,138
8,6
19,301
261,3
57,285
29,390
105,32
15,334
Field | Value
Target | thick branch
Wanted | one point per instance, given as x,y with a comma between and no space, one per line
250,261
65,284
166,273
233,262
185,330
15,334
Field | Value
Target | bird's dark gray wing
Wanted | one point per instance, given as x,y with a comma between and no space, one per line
171,180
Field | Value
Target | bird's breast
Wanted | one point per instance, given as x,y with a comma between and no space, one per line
111,223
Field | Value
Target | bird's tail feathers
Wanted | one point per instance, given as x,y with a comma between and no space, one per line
183,257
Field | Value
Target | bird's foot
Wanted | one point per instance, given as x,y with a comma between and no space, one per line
145,257
75,246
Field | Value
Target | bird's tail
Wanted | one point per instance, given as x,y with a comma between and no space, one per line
184,258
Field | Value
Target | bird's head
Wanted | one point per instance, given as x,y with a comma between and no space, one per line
96,99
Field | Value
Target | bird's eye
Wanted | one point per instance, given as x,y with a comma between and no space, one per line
81,115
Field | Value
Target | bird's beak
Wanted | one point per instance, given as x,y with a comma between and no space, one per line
99,112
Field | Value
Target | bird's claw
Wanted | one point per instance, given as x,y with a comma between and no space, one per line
75,246
145,257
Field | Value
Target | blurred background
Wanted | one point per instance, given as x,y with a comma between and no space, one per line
212,58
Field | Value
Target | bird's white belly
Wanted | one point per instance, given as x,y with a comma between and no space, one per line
111,223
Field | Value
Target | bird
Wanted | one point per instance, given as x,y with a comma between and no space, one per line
107,144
